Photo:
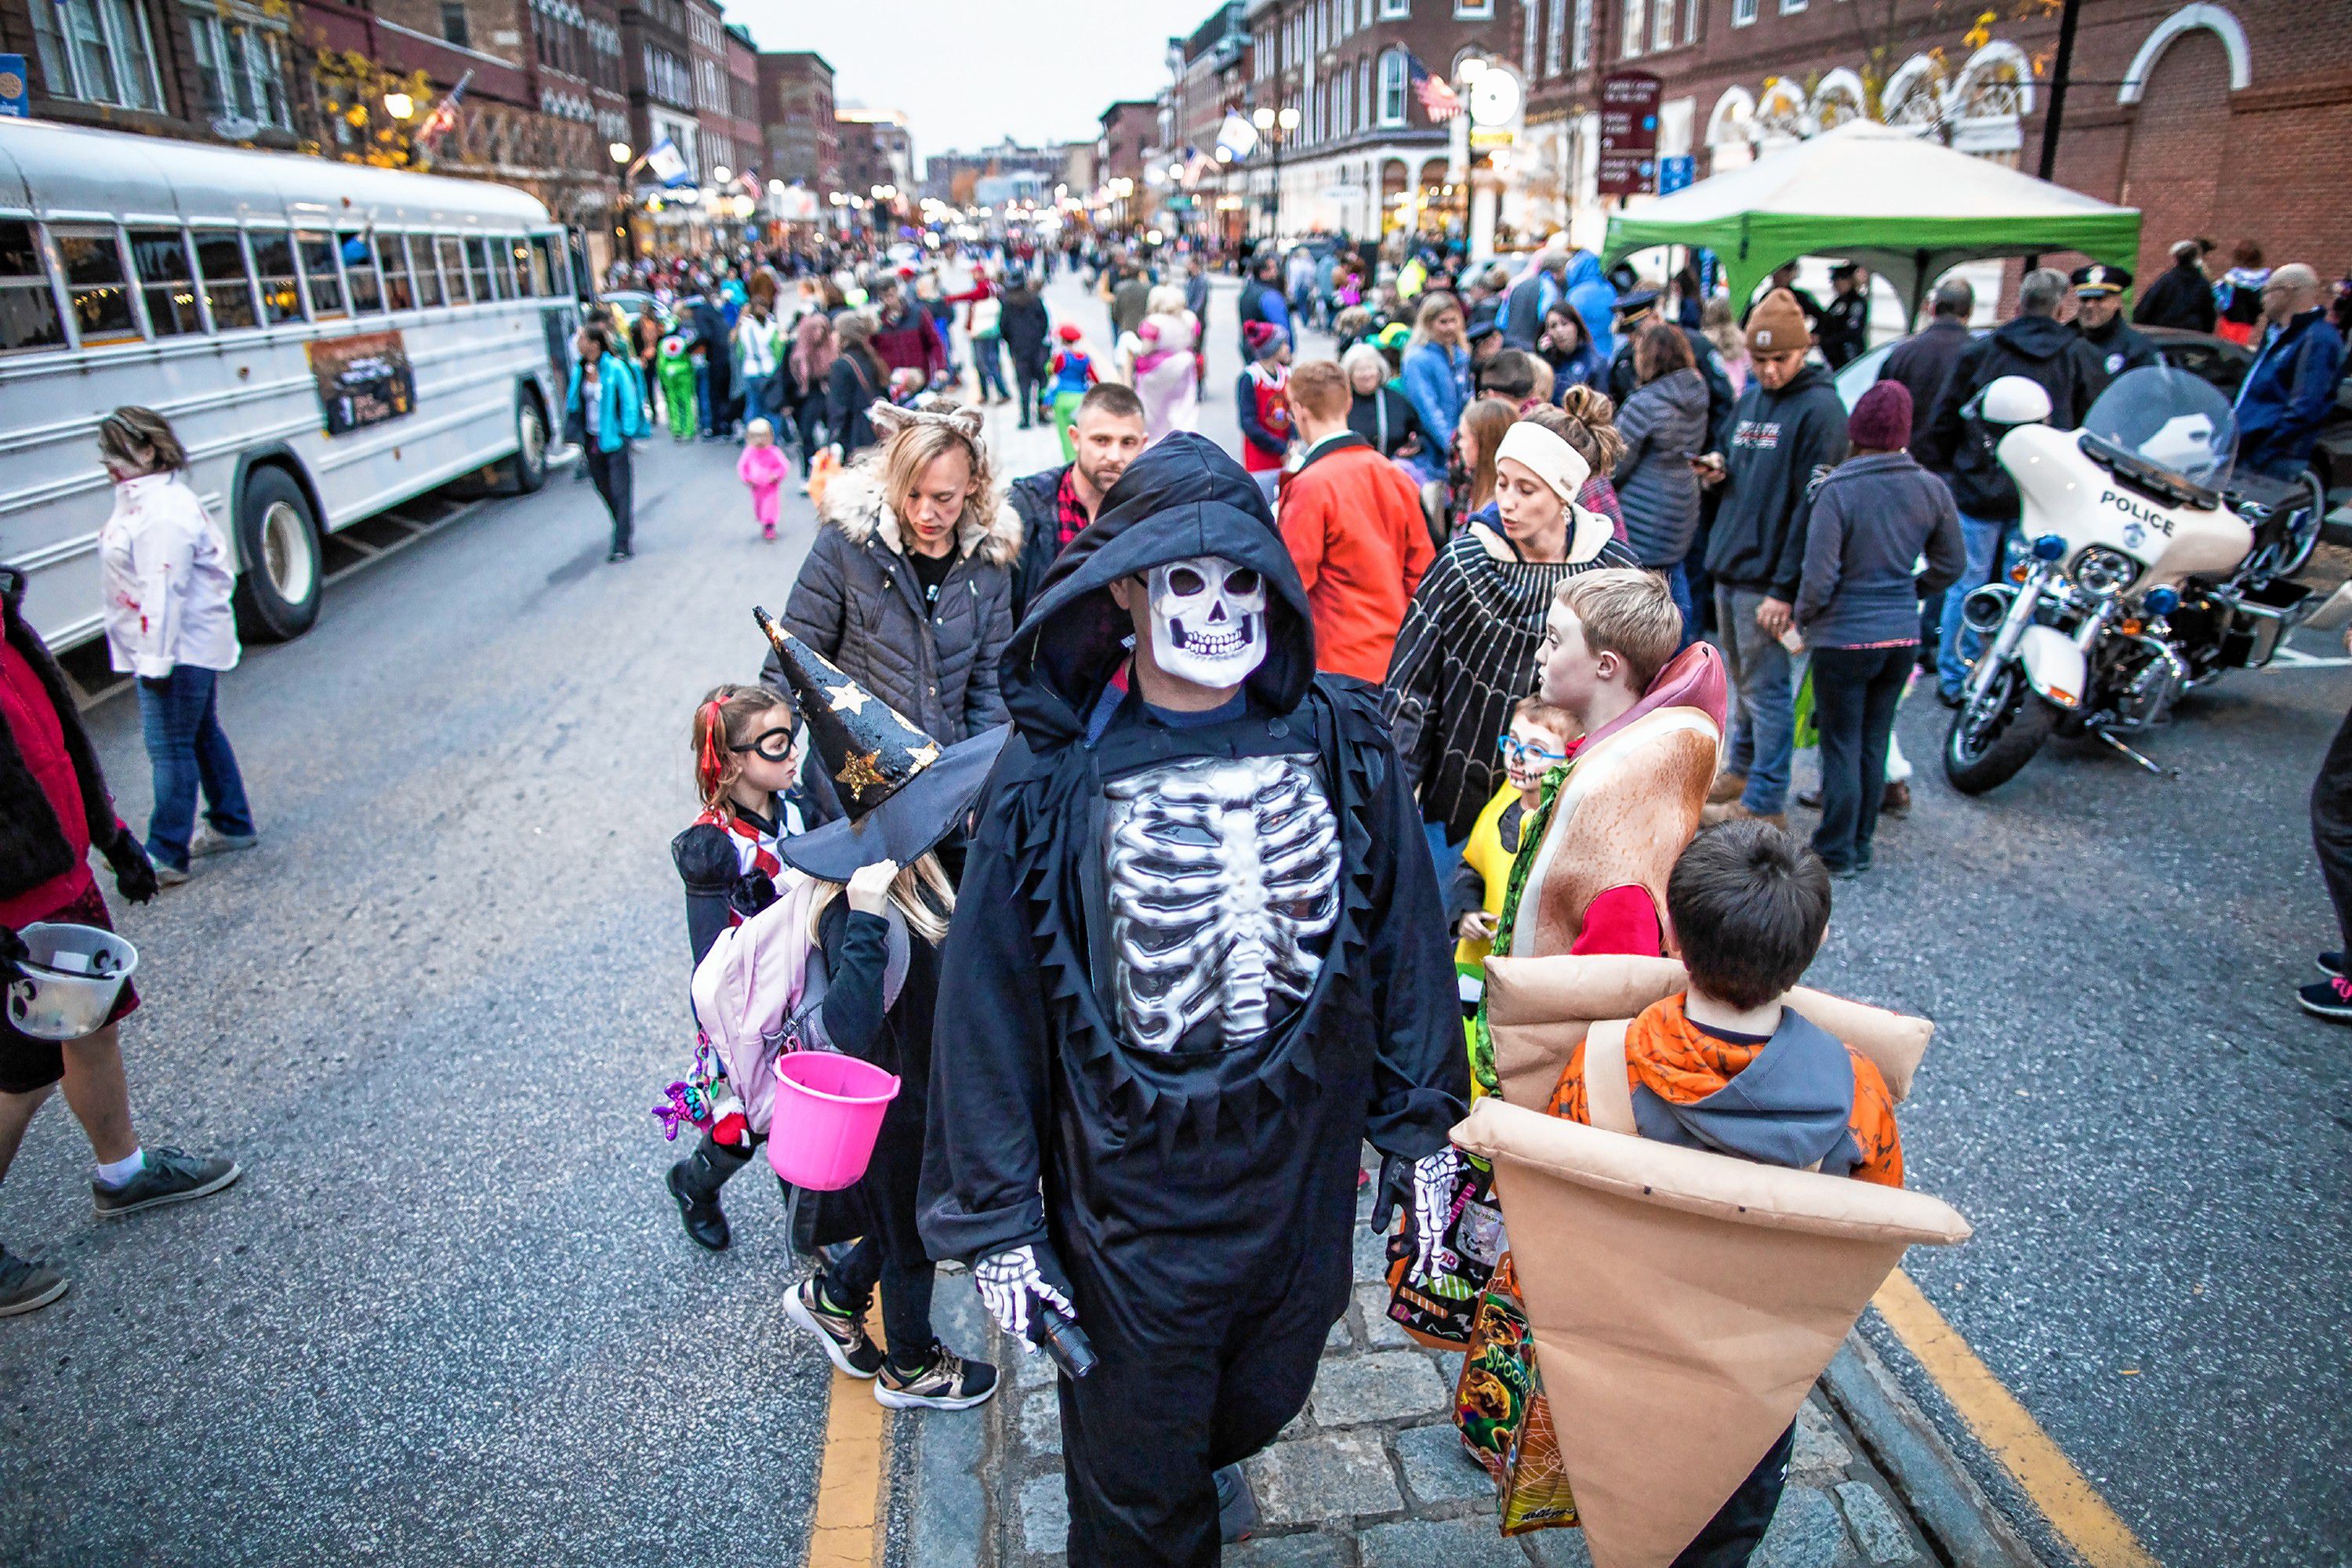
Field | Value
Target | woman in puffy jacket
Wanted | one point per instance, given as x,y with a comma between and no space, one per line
1665,426
909,587
168,580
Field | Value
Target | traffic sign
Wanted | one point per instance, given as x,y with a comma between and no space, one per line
1675,173
1629,133
14,103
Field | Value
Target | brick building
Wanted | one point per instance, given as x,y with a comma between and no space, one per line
2225,121
159,68
1130,128
1364,138
743,99
656,55
876,149
1211,71
796,118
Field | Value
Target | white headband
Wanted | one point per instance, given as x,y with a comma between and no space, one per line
1546,455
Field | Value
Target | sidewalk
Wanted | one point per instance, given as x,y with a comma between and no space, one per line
1370,1475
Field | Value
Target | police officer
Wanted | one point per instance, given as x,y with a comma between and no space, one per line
1844,331
2099,319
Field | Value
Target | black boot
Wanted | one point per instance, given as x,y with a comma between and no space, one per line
695,1182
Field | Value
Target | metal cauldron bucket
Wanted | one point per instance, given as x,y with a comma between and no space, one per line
72,976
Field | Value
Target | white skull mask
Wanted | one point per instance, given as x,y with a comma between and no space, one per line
1208,620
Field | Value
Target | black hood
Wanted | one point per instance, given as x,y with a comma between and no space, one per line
1184,496
2036,337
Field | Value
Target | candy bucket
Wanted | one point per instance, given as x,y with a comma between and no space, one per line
72,976
827,1111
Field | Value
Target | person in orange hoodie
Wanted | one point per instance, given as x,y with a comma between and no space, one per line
1352,520
1728,1065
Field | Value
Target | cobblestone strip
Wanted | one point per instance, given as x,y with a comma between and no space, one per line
1371,1475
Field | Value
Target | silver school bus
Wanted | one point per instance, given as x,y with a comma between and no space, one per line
328,339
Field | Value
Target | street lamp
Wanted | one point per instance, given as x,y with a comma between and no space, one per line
620,152
398,104
1268,121
720,175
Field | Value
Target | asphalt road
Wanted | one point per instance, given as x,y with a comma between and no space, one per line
448,1316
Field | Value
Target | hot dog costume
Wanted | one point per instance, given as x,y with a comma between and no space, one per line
1213,960
1610,827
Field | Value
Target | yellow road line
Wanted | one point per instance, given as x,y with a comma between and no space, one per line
850,1481
2072,1505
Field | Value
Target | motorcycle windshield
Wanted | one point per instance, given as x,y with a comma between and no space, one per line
2172,419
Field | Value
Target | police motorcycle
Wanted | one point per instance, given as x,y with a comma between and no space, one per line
2152,570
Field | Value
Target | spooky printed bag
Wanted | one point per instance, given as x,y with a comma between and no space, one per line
1440,1309
1504,1420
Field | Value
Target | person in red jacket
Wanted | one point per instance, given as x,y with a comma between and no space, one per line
54,809
1353,522
905,337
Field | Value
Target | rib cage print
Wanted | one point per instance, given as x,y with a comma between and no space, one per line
1221,874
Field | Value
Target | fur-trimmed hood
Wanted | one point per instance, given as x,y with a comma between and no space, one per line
853,503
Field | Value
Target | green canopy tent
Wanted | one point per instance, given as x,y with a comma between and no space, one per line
1906,207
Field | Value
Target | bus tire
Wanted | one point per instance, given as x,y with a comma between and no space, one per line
527,470
278,540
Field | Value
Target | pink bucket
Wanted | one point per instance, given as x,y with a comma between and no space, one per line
827,1111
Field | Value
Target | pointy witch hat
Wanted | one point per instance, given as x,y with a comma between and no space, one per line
901,791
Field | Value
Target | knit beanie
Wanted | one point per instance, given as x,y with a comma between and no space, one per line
1882,419
1777,326
1546,455
1264,340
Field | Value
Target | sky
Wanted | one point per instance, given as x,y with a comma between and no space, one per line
970,72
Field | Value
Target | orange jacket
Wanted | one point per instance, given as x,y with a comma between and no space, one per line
1679,1062
1354,525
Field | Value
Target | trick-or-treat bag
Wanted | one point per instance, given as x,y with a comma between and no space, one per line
1439,1308
1504,1418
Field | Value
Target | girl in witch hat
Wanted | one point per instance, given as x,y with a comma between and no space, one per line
879,907
748,747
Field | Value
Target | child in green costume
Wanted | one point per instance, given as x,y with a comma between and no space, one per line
676,373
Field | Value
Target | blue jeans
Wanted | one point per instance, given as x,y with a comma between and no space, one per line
988,359
1764,700
187,749
702,397
1983,540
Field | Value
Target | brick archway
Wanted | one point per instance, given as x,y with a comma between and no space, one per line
2174,172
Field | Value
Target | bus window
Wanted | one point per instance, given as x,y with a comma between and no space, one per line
546,268
428,271
526,285
453,267
28,310
478,253
359,271
96,284
326,280
398,294
159,256
228,292
273,264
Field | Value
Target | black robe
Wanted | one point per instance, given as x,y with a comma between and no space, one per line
1200,1201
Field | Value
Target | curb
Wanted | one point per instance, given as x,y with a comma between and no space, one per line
1965,1528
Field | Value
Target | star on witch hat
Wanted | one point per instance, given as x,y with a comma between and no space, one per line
902,792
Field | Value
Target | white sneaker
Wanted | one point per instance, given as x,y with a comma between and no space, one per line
209,840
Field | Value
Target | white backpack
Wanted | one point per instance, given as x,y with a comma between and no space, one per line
759,993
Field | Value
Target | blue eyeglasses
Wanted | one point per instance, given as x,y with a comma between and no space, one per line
1515,750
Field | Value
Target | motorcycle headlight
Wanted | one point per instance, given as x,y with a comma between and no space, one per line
2101,572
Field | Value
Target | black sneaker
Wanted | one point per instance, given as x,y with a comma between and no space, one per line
945,1382
2330,999
171,1177
2332,963
1236,1508
26,1286
841,1332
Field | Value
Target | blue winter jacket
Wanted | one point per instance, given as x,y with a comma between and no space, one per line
1595,299
1437,384
2287,395
619,418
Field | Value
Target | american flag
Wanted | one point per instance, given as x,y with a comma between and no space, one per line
1438,99
443,118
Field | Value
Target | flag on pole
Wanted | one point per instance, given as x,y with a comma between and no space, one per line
667,163
443,118
1438,99
1237,135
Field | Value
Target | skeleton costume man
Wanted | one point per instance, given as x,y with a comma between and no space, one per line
1213,962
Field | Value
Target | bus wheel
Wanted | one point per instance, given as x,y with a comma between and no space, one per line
277,540
529,468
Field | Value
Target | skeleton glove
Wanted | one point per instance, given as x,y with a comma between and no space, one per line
1019,1283
1425,1189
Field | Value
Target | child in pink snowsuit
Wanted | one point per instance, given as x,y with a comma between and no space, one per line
764,469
